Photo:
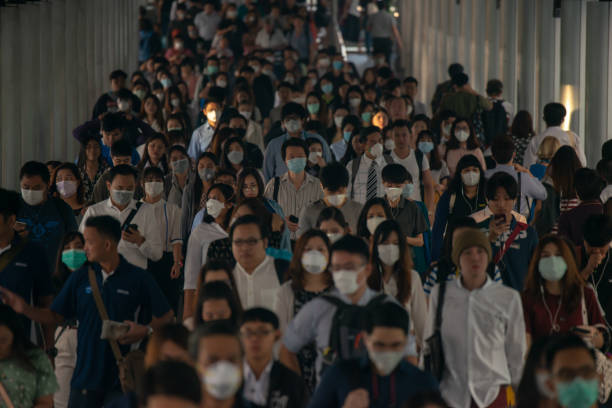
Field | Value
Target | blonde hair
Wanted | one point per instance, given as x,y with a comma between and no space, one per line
548,148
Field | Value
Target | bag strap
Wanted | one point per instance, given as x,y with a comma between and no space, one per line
419,159
515,232
95,290
131,216
585,316
441,291
9,256
276,188
354,169
4,397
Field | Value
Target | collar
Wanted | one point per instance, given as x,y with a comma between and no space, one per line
130,206
487,283
365,298
156,204
120,267
249,375
264,264
307,177
504,167
367,161
396,156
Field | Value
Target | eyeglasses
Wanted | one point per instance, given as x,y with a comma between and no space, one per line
251,242
254,333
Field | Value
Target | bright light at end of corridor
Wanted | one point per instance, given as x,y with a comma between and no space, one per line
568,100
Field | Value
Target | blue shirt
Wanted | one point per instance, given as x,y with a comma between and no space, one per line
339,149
200,140
274,165
130,293
346,376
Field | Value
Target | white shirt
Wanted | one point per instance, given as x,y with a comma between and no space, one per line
483,337
256,391
197,248
410,163
361,181
258,288
5,249
151,249
606,194
169,218
561,135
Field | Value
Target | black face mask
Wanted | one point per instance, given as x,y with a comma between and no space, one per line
240,132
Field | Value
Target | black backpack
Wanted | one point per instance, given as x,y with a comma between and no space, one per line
494,122
347,324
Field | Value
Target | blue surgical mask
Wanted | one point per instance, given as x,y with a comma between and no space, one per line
366,116
347,136
337,65
327,88
296,165
74,258
313,108
426,147
212,69
579,393
166,82
408,190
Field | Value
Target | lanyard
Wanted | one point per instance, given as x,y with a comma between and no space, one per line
375,394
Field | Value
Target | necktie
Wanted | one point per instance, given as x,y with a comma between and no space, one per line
372,182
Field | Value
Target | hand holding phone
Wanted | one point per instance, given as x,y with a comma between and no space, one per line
113,330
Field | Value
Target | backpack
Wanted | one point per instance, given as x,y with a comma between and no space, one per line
345,335
355,168
494,122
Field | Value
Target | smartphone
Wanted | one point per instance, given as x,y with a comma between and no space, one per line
113,330
294,219
579,330
130,226
498,217
20,226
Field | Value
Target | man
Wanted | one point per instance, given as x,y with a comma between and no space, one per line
383,29
494,90
22,269
365,170
269,36
285,93
129,295
203,134
529,187
594,258
293,115
296,189
465,100
121,153
415,162
256,274
216,350
314,322
108,101
171,384
573,377
554,115
267,383
253,156
334,182
445,87
411,88
141,239
383,378
42,219
207,22
513,241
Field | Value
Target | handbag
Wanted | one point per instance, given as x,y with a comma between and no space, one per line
434,358
131,366
602,363
5,398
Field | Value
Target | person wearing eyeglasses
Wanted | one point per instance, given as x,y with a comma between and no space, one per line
267,383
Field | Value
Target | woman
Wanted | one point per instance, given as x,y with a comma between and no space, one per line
180,176
154,154
355,148
214,226
67,183
374,212
195,191
556,298
315,160
317,109
331,221
91,165
545,153
465,195
151,113
350,124
215,270
380,118
462,142
217,302
70,258
354,98
221,135
179,123
26,373
334,133
367,112
309,278
392,273
522,132
233,154
438,167
533,390
491,312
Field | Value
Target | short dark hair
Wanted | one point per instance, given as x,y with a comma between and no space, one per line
121,148
172,378
293,142
604,169
35,168
565,342
216,290
10,202
112,121
597,230
260,314
123,170
117,74
352,245
367,131
411,80
209,329
494,87
502,149
454,69
554,113
400,123
460,79
387,314
588,184
153,171
293,108
249,220
395,173
334,176
606,150
331,213
503,180
105,225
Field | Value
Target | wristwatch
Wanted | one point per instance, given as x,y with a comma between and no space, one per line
149,331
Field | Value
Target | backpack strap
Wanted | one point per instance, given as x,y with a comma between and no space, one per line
276,188
131,216
518,202
332,299
441,292
515,232
419,159
388,158
354,169
4,397
451,203
8,257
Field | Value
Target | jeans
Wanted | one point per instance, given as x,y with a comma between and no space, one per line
91,398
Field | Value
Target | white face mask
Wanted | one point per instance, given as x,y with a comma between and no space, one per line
154,188
222,379
293,125
338,121
543,388
212,116
235,156
180,166
314,262
214,207
221,83
313,157
175,102
32,197
334,236
336,199
471,178
447,128
386,361
388,254
376,150
66,188
246,114
346,281
389,144
123,106
122,197
393,193
373,223
354,102
462,135
408,110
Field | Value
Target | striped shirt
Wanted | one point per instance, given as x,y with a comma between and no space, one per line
293,200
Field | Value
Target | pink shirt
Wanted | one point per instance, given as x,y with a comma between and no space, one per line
454,155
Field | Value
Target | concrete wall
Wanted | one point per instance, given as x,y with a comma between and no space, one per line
55,58
539,57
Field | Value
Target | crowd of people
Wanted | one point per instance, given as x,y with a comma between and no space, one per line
252,221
